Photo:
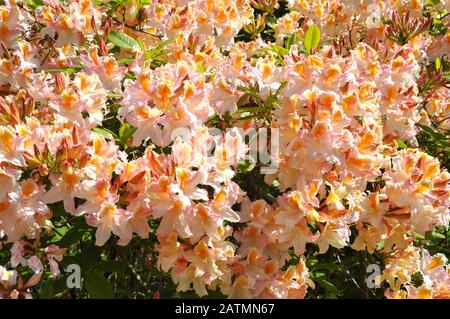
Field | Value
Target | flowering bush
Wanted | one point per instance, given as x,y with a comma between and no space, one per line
126,128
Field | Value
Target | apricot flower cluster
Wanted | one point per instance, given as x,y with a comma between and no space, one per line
94,95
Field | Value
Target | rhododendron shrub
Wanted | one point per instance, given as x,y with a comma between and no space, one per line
126,128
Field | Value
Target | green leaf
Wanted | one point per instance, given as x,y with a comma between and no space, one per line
318,275
292,40
158,50
125,61
417,279
271,21
71,237
311,262
436,135
266,194
122,40
281,88
112,4
426,128
447,75
242,100
47,290
245,167
279,50
328,266
328,286
67,70
438,27
401,144
33,4
111,266
59,285
71,260
114,95
275,184
419,236
60,232
98,286
90,255
312,38
130,75
105,132
216,119
141,44
125,132
53,287
437,63
437,235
